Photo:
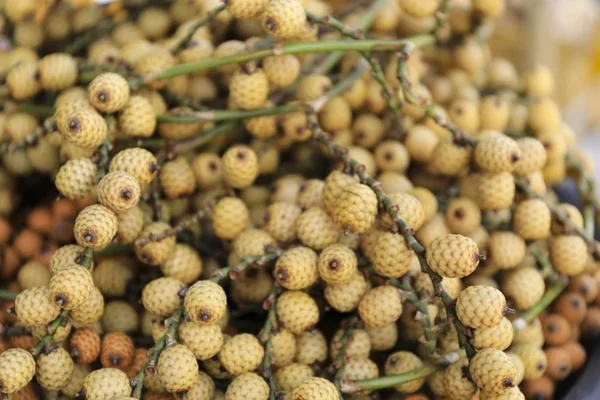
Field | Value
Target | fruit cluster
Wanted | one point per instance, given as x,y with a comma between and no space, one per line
245,217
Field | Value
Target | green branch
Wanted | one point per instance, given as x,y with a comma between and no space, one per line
384,382
200,23
233,271
7,295
228,115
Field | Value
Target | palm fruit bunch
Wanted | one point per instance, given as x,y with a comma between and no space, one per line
285,199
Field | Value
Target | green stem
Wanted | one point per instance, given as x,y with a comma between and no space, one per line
388,381
233,271
338,364
549,296
227,115
115,250
265,336
278,49
589,222
195,142
200,23
38,110
183,225
155,351
7,295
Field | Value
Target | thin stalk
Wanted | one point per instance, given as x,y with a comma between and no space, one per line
265,336
155,351
27,141
38,110
338,363
183,225
384,382
339,88
7,295
200,23
278,49
555,289
233,271
228,115
588,219
115,250
103,159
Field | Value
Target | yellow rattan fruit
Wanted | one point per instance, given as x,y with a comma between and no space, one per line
35,306
119,191
570,211
208,170
507,249
22,80
297,311
493,371
453,256
91,310
76,177
284,347
139,163
449,159
240,166
204,388
356,208
569,254
282,70
184,264
242,353
346,296
316,229
534,360
511,394
53,370
401,362
497,153
248,386
205,341
289,377
179,130
539,81
360,368
95,226
297,268
71,286
524,287
543,115
480,306
280,221
284,19
155,252
129,225
75,383
57,71
533,156
495,191
428,202
419,8
106,383
368,129
17,368
315,388
112,276
383,338
335,182
230,218
205,302
177,178
496,337
380,306
391,255
108,92
313,86
421,142
456,382
244,9
532,219
253,242
249,88
311,346
161,296
463,216
137,118
85,128
337,264
494,113
177,369
410,210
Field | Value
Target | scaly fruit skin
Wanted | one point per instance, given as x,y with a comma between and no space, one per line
297,311
480,306
507,249
53,370
242,353
284,19
240,166
139,163
315,389
161,296
493,371
35,306
95,226
532,219
282,70
118,191
57,71
130,224
177,369
337,263
137,118
534,360
112,277
311,346
248,386
569,254
106,383
495,191
453,256
21,80
383,338
280,221
512,394
463,216
497,153
205,302
60,334
17,367
297,268
345,297
85,345
208,170
205,341
76,178
316,229
108,92
497,337
249,89
410,210
401,362
184,264
246,9
177,178
391,255
71,286
359,346
456,383
253,242
156,252
204,389
524,287
533,156
356,208
85,128
449,159
380,306
289,377
335,182
91,310
360,368
284,347
230,218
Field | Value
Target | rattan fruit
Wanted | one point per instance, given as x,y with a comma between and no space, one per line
480,306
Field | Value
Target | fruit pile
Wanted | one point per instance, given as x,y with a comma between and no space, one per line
285,199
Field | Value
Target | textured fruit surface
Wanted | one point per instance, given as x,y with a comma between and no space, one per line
315,388
337,264
493,371
410,209
401,362
355,209
76,177
249,89
534,360
177,369
95,226
205,341
297,268
380,306
297,311
453,256
391,255
139,163
35,306
316,229
205,302
230,217
248,386
108,92
284,19
53,370
456,382
242,353
523,287
119,191
106,383
71,286
161,296
155,252
496,337
480,306
17,368
85,129
568,254
532,219
85,345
